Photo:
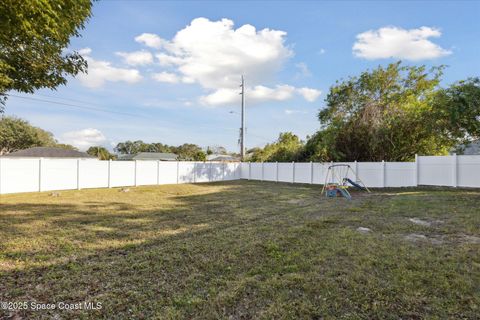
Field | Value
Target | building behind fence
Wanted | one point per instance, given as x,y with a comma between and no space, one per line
30,175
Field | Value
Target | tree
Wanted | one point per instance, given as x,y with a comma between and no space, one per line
17,134
134,147
287,148
457,109
216,149
34,38
384,114
101,153
190,152
129,147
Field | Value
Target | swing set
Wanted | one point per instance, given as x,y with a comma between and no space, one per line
337,181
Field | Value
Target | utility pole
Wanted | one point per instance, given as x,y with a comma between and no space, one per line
242,129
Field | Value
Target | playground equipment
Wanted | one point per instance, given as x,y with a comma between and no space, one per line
337,181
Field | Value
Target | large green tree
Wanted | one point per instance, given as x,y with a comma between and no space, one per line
17,134
457,109
383,114
288,147
34,40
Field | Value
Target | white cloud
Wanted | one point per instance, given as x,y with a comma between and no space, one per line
291,111
166,77
303,71
393,42
214,54
100,72
136,58
150,40
83,139
322,51
258,94
85,51
309,94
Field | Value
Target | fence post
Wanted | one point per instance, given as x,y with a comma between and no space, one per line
78,174
40,175
383,174
454,170
110,173
276,171
158,172
311,172
263,171
135,174
178,170
249,170
223,170
293,169
194,172
356,171
417,166
210,175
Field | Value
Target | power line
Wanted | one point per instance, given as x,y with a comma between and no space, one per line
75,105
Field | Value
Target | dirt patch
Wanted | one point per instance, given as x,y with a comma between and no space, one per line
424,223
416,237
469,239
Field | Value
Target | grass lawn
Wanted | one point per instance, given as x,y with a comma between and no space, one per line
242,250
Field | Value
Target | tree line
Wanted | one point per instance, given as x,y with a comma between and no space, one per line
18,134
389,113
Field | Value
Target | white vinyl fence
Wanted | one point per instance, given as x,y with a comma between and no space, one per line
29,175
453,171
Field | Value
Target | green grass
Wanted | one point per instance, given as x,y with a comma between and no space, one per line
242,250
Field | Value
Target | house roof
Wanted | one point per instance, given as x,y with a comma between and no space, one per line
162,156
221,157
47,152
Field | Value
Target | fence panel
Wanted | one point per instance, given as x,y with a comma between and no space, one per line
167,172
245,170
285,171
319,172
371,173
202,172
468,171
93,174
435,171
216,171
186,172
122,173
58,174
270,171
233,171
256,171
19,175
146,172
400,174
303,172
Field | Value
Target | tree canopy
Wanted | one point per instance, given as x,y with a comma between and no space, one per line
100,152
383,114
34,39
288,147
17,134
187,151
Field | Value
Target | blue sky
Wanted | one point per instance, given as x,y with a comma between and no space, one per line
168,71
